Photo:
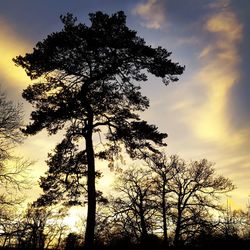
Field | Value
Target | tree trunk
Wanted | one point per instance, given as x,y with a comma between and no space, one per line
164,217
177,230
144,234
90,228
5,240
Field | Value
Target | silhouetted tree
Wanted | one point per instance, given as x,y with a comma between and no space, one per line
13,179
55,234
196,190
11,117
163,171
135,206
8,225
42,227
34,224
12,169
234,223
89,86
246,219
183,194
228,226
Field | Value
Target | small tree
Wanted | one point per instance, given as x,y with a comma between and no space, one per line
163,169
89,84
13,170
11,117
42,227
135,205
8,228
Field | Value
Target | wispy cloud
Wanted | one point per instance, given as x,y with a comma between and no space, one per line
202,104
152,13
220,71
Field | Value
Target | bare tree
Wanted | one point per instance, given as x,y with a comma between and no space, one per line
91,85
14,173
6,225
234,223
11,117
175,197
10,225
13,170
135,205
196,191
55,232
163,171
43,227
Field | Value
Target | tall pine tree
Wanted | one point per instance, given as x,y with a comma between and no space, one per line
91,76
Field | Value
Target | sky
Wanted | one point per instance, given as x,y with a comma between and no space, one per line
206,113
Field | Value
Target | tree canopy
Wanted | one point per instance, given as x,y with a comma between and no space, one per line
89,81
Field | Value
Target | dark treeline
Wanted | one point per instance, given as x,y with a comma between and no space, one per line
89,85
168,204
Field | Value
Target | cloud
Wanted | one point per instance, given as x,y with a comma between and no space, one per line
220,71
11,46
203,118
226,25
152,13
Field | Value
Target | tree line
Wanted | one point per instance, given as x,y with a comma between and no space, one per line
166,203
90,86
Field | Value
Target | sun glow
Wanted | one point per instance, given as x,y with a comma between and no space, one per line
10,46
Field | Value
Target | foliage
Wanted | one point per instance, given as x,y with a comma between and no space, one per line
90,85
89,82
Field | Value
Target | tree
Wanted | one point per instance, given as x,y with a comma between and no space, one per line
246,216
234,223
10,135
8,217
13,170
163,170
89,86
135,205
42,227
13,179
196,190
11,116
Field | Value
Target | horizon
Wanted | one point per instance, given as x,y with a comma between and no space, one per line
206,113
